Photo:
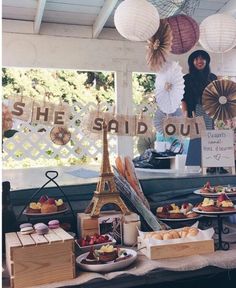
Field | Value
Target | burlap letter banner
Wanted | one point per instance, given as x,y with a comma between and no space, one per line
184,127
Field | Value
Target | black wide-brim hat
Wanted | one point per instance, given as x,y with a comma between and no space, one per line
198,53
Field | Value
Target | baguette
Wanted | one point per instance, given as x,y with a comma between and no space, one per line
131,177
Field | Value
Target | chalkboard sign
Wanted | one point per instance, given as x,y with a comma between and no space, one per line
218,149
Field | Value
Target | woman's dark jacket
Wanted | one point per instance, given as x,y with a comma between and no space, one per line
194,87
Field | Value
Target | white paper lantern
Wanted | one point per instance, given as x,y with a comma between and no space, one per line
136,20
218,33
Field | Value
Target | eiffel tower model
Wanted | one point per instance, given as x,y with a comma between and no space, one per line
106,192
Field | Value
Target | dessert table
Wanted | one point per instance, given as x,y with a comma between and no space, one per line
145,271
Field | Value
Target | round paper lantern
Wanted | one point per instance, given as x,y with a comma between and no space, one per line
136,20
185,31
218,33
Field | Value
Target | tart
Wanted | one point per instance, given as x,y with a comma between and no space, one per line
34,208
224,203
60,205
208,205
48,208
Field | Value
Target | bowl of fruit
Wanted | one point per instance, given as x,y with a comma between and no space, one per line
95,240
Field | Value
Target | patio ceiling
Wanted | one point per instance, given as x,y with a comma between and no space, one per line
97,14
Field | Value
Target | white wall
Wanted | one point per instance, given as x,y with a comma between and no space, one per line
71,47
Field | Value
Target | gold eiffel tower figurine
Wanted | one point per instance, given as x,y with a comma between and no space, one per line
106,192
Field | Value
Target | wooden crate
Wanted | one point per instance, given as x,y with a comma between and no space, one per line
175,250
86,225
39,259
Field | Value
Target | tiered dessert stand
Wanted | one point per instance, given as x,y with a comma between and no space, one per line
221,245
51,175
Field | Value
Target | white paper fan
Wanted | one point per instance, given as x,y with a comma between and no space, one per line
159,117
169,87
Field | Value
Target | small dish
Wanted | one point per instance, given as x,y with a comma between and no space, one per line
96,246
107,267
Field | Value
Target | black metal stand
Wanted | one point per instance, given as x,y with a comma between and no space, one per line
221,245
51,179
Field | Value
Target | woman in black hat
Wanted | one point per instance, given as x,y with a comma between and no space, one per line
195,81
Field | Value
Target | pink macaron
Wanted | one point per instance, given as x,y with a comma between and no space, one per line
53,224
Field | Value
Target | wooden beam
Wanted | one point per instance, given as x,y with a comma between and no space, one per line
102,17
39,15
229,7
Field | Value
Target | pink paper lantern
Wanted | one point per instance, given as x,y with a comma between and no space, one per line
185,32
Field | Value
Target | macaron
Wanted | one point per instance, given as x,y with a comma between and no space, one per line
42,229
53,224
23,225
38,225
26,230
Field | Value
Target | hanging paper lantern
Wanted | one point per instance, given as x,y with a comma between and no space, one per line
136,20
159,46
218,33
219,100
185,31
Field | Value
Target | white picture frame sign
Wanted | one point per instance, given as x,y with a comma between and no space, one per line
218,149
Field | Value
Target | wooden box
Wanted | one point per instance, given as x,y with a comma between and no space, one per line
87,225
175,249
39,259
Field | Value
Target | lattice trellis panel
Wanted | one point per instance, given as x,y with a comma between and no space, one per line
149,109
34,143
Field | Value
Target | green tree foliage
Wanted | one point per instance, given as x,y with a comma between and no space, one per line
59,85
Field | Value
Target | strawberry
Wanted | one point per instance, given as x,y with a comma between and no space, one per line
51,201
91,242
43,199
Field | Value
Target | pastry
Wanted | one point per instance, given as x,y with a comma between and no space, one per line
48,208
91,258
208,205
175,213
207,188
158,236
107,253
224,203
60,205
162,212
193,231
191,214
53,224
131,177
34,208
186,207
120,166
26,230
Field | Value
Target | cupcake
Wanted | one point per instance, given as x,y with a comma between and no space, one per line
60,205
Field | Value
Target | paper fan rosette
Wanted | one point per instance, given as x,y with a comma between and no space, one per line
159,46
160,116
60,135
169,87
219,99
